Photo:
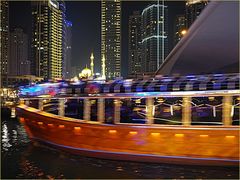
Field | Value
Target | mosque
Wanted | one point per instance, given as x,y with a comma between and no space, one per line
89,74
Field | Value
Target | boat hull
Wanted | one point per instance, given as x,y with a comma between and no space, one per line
198,145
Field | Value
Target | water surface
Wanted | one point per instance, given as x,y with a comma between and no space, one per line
23,159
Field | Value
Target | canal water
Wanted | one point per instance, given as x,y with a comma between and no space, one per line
23,159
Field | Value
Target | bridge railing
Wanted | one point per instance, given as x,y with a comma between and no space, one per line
170,108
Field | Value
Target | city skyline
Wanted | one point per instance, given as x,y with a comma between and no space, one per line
86,40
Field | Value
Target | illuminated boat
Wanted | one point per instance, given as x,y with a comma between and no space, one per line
184,143
133,125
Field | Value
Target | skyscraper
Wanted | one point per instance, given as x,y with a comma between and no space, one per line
180,28
155,36
134,44
19,63
4,54
47,39
67,54
193,9
111,37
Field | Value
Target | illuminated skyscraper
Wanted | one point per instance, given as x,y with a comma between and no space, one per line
19,63
67,51
4,30
180,28
47,39
155,36
111,37
193,10
134,44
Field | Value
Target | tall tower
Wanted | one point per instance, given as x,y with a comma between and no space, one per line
92,64
48,38
111,37
135,44
67,54
155,36
193,10
4,30
18,59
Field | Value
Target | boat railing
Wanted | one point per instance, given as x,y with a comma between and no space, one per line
186,108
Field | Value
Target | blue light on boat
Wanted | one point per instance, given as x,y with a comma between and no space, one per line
139,89
190,76
163,88
143,94
150,88
216,86
218,75
167,80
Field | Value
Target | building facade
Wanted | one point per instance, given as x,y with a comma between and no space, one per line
193,10
154,36
19,63
135,44
67,55
4,30
111,37
47,38
179,28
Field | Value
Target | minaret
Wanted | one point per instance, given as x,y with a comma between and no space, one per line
103,67
92,63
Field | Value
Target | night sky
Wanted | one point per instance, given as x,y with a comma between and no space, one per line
86,30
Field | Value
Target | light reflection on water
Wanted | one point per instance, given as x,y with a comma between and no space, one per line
23,159
5,138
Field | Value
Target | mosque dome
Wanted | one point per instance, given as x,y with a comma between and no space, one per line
85,73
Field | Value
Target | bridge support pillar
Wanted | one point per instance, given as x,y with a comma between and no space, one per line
87,110
40,104
150,110
101,110
117,111
61,107
227,107
186,111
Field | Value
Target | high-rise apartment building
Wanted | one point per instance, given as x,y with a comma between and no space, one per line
155,36
67,51
111,37
4,36
179,28
193,10
134,44
48,38
19,63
